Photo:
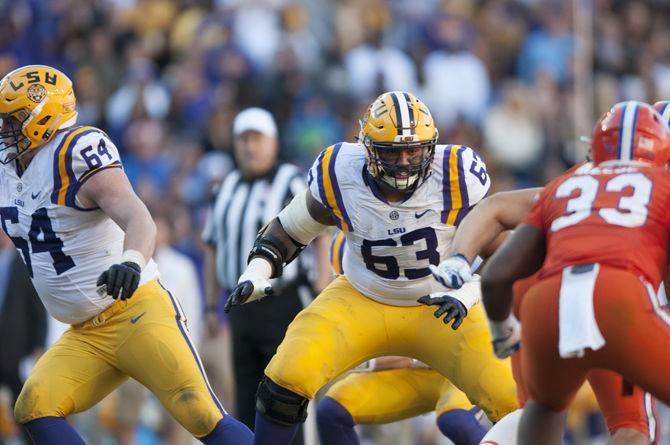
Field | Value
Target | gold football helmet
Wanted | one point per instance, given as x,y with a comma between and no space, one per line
35,102
399,135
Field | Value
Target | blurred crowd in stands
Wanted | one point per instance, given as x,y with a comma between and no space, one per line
165,78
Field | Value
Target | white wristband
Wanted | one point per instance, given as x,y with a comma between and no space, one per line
470,294
134,256
258,268
501,329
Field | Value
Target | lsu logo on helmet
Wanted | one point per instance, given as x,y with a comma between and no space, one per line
35,102
394,123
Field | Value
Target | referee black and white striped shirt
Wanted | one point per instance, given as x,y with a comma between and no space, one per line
241,208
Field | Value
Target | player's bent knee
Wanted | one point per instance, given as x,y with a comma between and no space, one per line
290,367
497,394
30,405
280,405
196,411
23,407
497,407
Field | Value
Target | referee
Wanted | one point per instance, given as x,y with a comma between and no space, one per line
249,197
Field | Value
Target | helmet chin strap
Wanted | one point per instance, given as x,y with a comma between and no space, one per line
36,111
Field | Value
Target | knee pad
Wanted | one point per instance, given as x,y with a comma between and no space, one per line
280,405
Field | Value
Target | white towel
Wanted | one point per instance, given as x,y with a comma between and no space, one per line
578,329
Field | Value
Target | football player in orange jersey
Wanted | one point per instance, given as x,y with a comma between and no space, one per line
599,238
629,411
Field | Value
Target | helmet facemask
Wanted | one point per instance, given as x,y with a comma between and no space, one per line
399,136
396,172
13,142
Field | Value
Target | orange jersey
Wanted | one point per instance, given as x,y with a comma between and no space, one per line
615,214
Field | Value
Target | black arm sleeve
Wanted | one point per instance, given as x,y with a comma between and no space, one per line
276,246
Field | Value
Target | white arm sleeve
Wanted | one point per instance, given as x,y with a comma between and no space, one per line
297,221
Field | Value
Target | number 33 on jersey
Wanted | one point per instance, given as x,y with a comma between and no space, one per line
573,209
390,245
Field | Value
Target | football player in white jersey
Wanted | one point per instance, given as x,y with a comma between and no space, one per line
87,241
398,197
388,389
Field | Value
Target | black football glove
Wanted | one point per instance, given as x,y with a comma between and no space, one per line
452,307
121,280
243,291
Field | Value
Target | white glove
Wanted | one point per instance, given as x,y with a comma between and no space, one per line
452,272
252,285
506,336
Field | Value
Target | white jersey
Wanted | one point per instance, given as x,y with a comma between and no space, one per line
390,245
64,246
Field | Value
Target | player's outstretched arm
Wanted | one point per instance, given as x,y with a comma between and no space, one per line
521,255
111,191
481,232
277,244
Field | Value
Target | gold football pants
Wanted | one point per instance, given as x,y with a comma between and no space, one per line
395,394
342,328
145,338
